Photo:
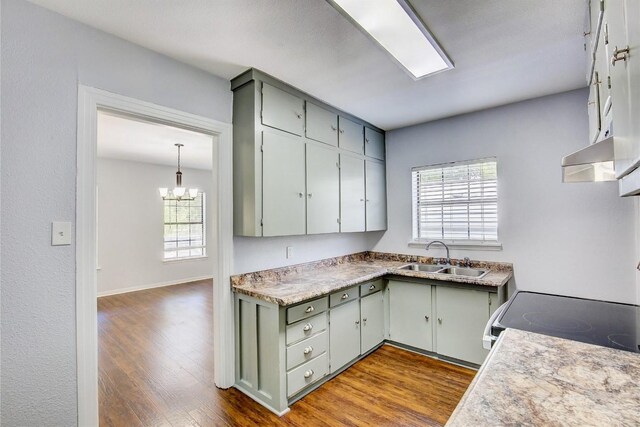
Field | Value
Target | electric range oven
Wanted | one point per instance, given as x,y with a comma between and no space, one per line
603,323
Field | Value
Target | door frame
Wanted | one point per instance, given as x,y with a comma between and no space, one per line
221,206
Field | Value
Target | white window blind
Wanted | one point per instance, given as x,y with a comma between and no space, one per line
184,228
456,201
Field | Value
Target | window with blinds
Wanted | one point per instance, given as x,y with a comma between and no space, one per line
456,201
184,228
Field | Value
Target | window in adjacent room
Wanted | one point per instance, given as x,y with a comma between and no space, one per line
184,228
456,202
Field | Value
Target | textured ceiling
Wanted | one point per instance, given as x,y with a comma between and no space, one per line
503,51
127,138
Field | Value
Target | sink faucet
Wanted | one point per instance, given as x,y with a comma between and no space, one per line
448,259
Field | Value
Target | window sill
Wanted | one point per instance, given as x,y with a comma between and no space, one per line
460,244
190,258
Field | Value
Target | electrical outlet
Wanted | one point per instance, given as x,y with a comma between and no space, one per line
289,252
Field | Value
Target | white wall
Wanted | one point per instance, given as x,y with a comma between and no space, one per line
571,239
130,226
44,56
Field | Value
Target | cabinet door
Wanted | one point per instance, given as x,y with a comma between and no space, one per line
410,314
323,190
322,125
351,135
461,317
372,313
352,206
593,109
344,334
376,196
633,69
283,185
625,148
282,110
373,143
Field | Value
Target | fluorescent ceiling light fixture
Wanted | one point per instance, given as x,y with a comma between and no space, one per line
398,29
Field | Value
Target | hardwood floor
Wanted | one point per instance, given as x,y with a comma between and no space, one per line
156,369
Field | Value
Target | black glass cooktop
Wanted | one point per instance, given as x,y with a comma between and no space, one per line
608,324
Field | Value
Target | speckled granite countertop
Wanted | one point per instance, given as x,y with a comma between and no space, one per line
536,380
290,285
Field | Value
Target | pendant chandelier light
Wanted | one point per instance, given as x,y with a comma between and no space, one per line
178,192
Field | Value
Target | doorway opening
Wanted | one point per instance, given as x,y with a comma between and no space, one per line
193,237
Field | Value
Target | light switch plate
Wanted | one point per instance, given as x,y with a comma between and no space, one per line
60,233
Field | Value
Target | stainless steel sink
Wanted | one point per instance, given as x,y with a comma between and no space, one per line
429,268
463,271
446,269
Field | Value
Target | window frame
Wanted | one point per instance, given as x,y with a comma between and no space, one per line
190,248
471,244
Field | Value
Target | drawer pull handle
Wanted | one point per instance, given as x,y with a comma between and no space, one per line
309,309
308,350
308,373
372,287
345,296
307,327
619,55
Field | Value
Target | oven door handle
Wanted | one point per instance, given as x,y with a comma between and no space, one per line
487,338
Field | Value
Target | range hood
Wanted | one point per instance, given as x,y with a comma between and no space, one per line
591,164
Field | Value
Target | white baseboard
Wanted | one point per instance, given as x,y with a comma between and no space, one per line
151,286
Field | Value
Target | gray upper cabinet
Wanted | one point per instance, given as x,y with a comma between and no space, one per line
283,185
461,315
410,316
282,110
352,212
323,190
373,143
286,163
376,196
351,135
322,125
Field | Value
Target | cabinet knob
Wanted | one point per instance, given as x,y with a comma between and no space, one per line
308,350
367,200
440,320
341,130
309,195
309,309
308,374
426,318
364,320
298,115
345,296
307,327
333,127
366,140
362,200
357,322
372,287
619,55
300,195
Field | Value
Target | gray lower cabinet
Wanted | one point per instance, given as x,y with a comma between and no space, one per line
344,334
372,321
461,317
410,316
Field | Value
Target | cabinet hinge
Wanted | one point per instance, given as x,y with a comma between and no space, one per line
262,148
338,220
338,165
609,81
261,223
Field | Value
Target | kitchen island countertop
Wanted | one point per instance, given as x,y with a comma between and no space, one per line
533,379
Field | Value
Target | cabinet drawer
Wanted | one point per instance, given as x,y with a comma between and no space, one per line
282,110
344,296
351,135
371,287
307,309
306,328
306,350
322,125
373,143
307,374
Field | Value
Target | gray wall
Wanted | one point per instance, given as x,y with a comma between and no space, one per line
44,56
572,239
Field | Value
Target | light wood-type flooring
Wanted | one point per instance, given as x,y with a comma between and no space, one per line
156,369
